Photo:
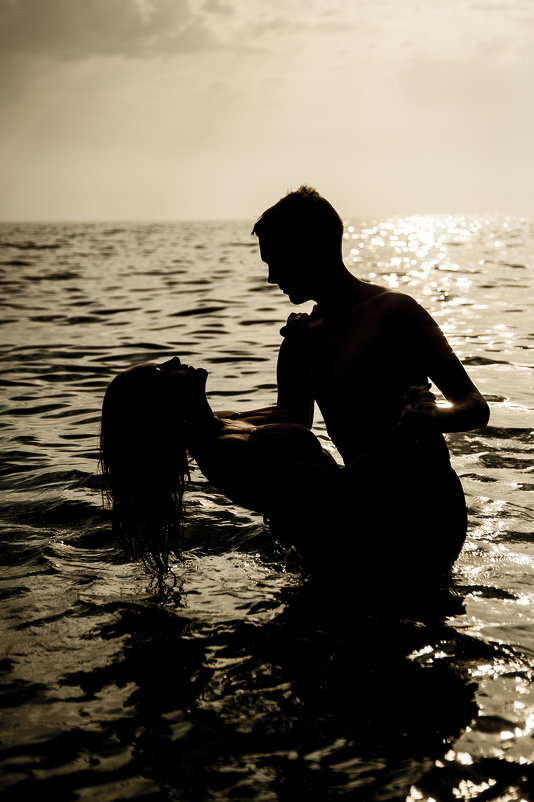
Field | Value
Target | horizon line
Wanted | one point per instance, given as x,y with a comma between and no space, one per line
166,220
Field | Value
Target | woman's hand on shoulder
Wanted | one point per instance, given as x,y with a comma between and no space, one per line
295,324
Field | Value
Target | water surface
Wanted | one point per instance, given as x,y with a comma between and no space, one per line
243,682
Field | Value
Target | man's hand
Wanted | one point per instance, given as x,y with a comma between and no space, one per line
420,410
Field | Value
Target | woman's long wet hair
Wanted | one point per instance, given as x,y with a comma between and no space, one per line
144,464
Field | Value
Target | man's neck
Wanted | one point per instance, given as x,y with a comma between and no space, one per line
340,290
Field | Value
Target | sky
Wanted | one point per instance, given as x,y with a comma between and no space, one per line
214,109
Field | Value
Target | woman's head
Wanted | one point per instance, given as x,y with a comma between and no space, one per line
143,456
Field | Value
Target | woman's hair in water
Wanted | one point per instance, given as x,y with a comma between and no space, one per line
304,212
144,464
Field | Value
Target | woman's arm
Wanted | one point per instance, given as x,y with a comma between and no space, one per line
295,402
294,392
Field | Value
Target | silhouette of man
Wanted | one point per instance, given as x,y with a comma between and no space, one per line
367,356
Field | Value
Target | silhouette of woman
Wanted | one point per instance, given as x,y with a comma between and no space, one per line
153,415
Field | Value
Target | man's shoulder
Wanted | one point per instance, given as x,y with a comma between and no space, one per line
393,310
402,311
390,301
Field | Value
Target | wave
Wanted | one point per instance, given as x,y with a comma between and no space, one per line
112,685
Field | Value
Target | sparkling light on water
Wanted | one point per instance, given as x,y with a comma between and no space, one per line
226,680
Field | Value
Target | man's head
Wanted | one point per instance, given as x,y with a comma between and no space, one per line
299,237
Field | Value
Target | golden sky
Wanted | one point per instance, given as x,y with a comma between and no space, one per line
168,109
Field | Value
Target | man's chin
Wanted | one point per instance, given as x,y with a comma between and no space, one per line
297,299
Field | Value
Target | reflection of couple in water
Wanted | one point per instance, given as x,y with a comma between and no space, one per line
366,355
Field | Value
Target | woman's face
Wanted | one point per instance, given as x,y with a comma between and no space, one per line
183,378
182,385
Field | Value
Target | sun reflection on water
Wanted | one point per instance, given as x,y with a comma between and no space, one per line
158,296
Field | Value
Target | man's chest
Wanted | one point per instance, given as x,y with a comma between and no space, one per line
342,352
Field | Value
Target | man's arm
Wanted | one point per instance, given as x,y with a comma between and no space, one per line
469,412
467,407
258,417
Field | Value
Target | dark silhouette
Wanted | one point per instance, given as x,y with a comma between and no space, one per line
367,355
152,413
261,460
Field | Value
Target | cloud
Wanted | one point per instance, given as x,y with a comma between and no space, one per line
76,29
218,7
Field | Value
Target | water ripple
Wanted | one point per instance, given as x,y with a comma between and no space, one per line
238,680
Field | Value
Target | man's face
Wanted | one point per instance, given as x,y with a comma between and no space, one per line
290,268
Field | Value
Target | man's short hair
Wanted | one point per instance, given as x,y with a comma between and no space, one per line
303,212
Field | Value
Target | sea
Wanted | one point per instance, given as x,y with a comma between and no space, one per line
240,680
